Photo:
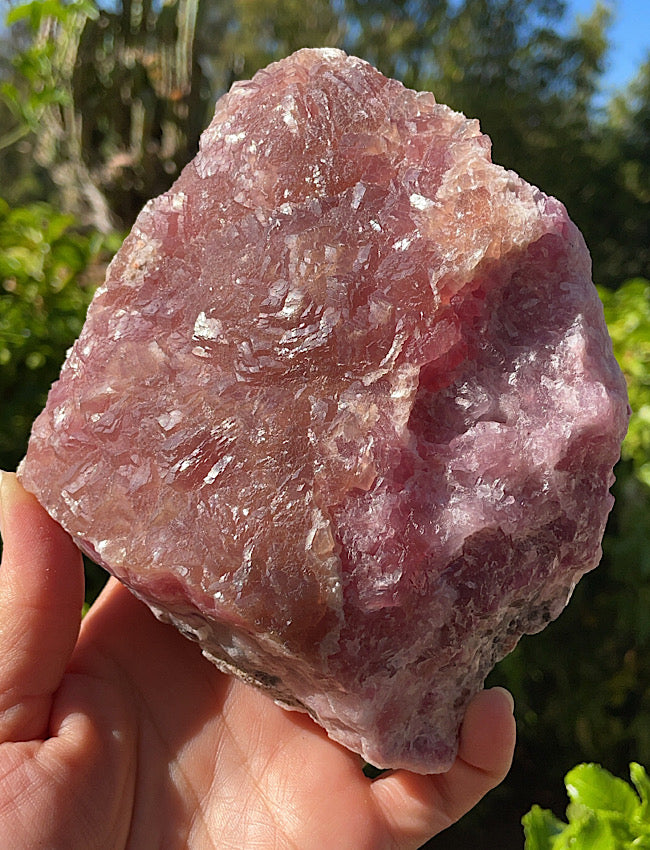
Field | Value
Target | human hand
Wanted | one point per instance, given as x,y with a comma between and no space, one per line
117,733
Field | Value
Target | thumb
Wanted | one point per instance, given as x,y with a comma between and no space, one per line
41,594
417,807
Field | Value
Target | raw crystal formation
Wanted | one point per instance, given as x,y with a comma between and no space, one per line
345,410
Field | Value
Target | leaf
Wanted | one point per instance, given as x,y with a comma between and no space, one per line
641,782
18,13
596,789
540,828
591,832
39,9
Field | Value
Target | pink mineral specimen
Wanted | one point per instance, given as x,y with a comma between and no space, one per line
345,410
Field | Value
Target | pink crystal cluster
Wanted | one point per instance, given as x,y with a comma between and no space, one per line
345,410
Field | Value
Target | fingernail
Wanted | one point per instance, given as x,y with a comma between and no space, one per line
7,482
3,478
508,697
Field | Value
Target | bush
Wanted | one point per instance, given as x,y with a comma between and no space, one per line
48,272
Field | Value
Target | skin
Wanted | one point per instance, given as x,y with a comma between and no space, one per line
116,733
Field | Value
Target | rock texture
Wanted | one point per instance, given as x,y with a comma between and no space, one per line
345,410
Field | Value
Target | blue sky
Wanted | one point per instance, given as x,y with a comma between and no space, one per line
630,35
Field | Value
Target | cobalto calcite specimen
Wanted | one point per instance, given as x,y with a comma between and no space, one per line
345,410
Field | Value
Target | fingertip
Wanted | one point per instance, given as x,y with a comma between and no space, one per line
2,475
504,696
10,490
488,733
31,537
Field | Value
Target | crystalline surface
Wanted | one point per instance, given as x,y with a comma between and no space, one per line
345,410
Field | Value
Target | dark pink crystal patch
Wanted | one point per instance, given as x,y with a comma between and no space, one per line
345,410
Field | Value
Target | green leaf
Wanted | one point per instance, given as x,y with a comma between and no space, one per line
590,832
18,13
39,9
641,782
592,787
540,828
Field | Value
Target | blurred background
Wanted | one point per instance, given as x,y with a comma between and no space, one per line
102,104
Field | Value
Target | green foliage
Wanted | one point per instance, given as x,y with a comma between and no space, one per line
605,813
627,312
46,282
626,152
36,85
